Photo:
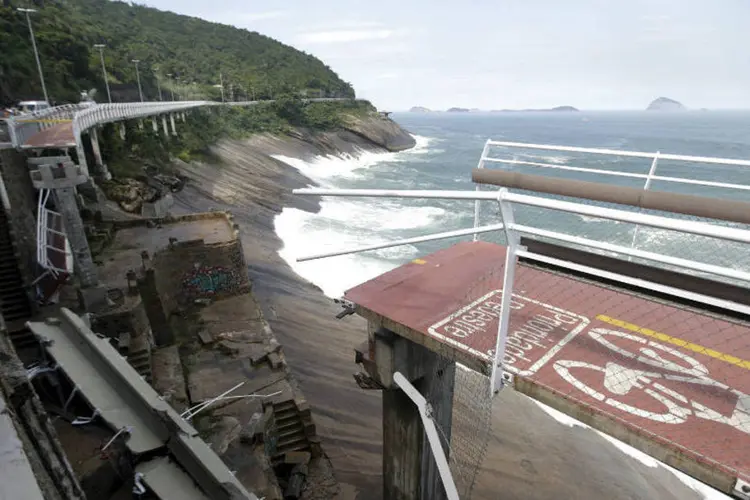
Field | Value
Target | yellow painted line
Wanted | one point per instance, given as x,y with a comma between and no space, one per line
419,261
732,360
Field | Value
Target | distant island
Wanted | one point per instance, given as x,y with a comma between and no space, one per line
563,109
420,109
665,104
458,110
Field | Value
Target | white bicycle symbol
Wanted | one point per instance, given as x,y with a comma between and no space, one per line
620,380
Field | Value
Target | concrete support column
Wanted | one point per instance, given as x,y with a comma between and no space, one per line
95,147
437,387
402,446
155,125
164,124
100,168
409,469
122,131
171,120
84,264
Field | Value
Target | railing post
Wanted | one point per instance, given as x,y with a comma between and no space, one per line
513,244
478,188
646,185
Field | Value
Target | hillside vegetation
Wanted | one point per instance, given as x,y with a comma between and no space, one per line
204,127
194,51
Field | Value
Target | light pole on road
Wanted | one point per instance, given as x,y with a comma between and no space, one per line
138,76
171,90
36,53
101,46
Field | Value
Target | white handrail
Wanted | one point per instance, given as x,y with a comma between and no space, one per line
42,237
87,115
687,226
648,176
432,436
617,152
408,241
661,222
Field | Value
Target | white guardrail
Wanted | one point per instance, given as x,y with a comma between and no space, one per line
51,237
22,127
507,200
87,115
647,178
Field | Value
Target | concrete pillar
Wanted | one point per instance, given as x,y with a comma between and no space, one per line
100,168
140,124
402,446
164,124
156,126
155,311
437,387
122,131
84,264
174,128
409,469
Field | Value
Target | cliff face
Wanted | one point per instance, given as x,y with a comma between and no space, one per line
379,131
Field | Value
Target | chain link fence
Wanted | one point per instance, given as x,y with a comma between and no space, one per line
637,330
617,348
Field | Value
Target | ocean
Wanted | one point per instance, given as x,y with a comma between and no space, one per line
449,145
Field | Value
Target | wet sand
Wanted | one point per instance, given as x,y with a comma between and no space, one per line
529,454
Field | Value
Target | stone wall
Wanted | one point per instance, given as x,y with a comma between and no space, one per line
129,319
23,201
191,270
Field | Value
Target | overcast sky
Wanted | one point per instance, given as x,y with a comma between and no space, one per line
490,54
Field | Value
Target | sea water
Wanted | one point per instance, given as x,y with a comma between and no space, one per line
449,145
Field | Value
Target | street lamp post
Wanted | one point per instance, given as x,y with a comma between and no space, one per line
158,84
138,77
169,75
104,69
36,53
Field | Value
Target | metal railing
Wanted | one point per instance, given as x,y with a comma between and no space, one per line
87,115
22,127
648,177
507,200
51,237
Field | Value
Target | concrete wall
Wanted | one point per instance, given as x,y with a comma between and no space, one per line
23,201
130,319
191,270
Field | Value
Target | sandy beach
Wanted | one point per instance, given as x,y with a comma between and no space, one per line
529,455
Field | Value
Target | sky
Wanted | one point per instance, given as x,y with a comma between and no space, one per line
495,54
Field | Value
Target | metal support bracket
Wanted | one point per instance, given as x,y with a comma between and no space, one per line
742,489
348,306
85,420
513,245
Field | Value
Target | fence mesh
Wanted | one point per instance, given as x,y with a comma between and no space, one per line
465,434
633,362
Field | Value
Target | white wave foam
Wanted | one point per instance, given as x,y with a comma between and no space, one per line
558,160
348,223
324,168
302,235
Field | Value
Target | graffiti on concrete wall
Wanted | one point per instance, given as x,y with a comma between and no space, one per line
210,280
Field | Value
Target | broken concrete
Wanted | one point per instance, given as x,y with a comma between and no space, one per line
169,378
